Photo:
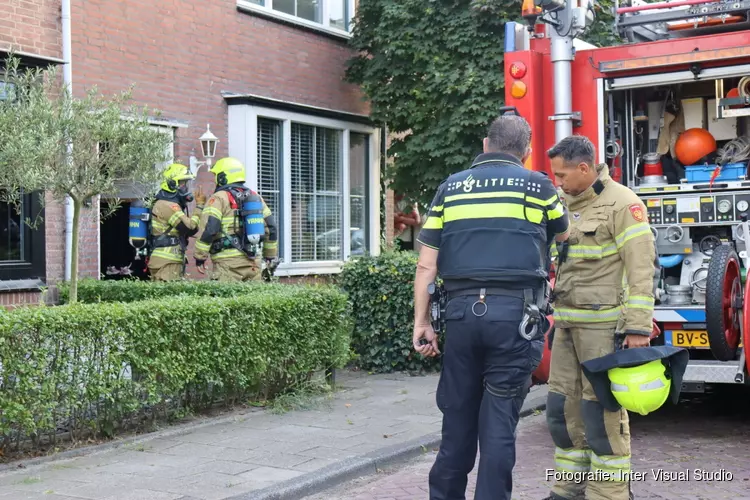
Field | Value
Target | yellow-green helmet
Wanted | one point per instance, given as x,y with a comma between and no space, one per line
228,171
640,389
173,174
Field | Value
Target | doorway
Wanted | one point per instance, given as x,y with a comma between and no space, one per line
117,257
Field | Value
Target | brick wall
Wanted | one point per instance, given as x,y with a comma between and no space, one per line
18,299
31,26
181,54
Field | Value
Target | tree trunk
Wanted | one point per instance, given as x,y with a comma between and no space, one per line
74,252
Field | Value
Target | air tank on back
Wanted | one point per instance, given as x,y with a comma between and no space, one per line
252,217
138,228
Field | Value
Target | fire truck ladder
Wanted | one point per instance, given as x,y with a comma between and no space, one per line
649,22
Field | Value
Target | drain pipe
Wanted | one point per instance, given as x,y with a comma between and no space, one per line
68,81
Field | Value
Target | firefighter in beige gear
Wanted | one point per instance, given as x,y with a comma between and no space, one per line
170,225
603,292
235,254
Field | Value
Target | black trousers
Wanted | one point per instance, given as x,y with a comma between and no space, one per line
481,347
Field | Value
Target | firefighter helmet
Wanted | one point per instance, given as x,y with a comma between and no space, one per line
173,174
640,379
693,144
228,171
641,389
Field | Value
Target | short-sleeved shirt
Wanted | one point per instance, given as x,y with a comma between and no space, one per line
494,222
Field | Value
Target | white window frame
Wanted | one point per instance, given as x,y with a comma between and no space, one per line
268,11
243,144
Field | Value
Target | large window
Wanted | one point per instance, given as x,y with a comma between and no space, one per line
317,176
21,246
333,14
316,194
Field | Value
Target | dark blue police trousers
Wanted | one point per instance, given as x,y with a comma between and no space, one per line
481,347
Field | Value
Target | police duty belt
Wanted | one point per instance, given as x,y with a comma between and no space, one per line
534,311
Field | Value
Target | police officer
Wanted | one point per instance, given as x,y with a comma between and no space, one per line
603,292
220,226
170,226
487,235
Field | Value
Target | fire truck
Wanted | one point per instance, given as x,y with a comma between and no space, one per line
668,111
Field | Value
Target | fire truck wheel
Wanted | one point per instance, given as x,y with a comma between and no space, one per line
724,302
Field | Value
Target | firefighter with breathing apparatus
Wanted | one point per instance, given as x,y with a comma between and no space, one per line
235,224
162,233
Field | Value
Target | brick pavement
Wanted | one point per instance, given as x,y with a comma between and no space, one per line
707,434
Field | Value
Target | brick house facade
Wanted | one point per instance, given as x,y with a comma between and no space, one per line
266,77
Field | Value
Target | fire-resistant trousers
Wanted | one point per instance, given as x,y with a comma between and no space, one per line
482,344
592,445
164,270
237,269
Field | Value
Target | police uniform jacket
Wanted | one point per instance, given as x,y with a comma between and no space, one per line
608,273
493,225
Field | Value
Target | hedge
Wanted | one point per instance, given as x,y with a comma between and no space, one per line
129,290
381,293
69,367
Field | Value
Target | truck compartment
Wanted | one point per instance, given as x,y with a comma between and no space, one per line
688,162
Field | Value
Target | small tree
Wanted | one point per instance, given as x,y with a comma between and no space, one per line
52,143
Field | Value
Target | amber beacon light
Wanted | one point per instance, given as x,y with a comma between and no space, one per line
518,89
530,11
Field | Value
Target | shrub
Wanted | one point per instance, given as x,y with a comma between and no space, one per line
70,366
381,294
92,290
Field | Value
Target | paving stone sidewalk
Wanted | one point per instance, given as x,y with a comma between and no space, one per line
253,450
711,437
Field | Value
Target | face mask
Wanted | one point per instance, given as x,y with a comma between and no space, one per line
184,192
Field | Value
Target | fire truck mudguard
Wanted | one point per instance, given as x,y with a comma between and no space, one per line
724,303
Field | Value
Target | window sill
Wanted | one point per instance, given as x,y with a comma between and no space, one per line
308,268
251,8
32,285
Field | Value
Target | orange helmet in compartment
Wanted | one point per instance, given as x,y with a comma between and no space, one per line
693,144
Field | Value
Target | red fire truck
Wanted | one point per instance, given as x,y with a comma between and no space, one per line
668,113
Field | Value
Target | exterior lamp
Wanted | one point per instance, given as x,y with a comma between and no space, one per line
208,143
208,147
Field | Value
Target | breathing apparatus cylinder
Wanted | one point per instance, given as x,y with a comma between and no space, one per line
138,228
252,215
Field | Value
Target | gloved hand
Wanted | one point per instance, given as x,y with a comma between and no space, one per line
200,198
201,265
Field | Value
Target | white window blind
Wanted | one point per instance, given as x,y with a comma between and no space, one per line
316,194
269,164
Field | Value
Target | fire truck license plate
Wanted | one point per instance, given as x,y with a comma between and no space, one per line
695,339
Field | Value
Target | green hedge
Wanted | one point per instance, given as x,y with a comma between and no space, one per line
68,366
381,293
129,290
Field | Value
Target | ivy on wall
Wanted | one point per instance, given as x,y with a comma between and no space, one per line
433,72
